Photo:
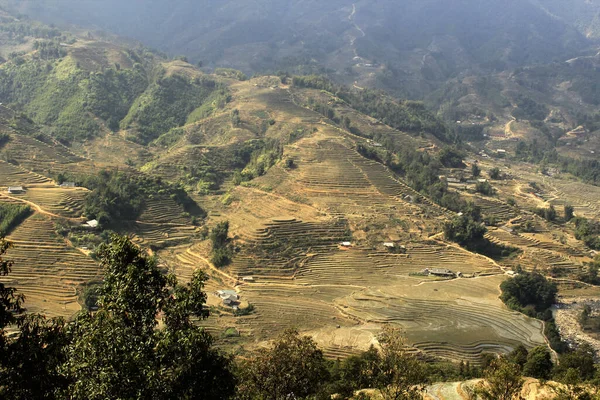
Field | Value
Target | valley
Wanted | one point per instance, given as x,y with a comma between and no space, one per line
315,203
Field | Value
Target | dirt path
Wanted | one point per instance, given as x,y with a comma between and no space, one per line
508,128
358,28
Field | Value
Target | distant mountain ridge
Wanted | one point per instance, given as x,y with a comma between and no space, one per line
405,46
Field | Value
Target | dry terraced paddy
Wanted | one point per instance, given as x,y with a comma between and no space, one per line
457,319
64,202
46,270
370,267
12,175
584,198
338,180
163,210
274,250
32,153
159,234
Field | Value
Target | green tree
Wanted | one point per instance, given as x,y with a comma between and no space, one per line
519,355
503,381
475,170
495,174
528,289
221,250
484,188
10,302
451,157
400,375
569,212
119,353
539,363
580,360
30,364
293,368
464,230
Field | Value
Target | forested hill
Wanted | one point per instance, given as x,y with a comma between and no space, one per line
408,45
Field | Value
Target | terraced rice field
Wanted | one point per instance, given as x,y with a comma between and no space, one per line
64,202
455,319
159,235
12,175
163,210
275,249
540,254
46,270
369,267
341,182
494,208
31,152
584,198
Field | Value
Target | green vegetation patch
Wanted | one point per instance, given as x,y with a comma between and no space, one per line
166,104
118,196
11,215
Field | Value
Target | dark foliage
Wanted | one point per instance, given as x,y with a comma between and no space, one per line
464,230
221,246
119,196
530,293
11,215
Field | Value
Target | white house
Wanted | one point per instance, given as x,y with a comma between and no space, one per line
15,189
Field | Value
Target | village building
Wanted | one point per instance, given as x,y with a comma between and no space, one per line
389,245
346,244
439,272
248,279
230,298
92,224
15,189
68,185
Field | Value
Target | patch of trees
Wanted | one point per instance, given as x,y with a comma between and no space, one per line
231,73
588,232
221,244
256,157
118,196
529,109
532,294
590,275
49,49
529,293
118,351
465,230
549,213
485,188
19,30
451,157
11,215
70,105
495,174
166,104
4,138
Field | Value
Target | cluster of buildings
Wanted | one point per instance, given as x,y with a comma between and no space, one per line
230,298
